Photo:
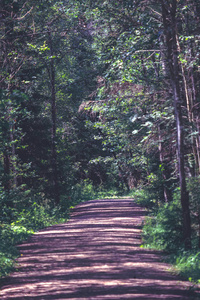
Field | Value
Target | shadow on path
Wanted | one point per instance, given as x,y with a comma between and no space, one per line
96,255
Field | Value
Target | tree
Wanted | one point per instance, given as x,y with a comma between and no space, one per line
169,13
13,58
141,50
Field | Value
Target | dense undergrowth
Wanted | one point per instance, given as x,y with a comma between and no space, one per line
162,230
24,213
17,226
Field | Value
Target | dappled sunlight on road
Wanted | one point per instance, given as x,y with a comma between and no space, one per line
96,255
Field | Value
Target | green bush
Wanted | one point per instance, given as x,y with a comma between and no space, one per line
35,217
193,185
144,198
22,224
187,264
164,231
10,235
85,191
82,191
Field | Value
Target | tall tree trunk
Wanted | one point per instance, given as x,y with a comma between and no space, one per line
6,165
170,23
53,130
166,191
9,68
190,96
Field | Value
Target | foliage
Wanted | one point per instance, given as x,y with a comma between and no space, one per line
10,235
164,230
85,190
193,184
145,198
187,264
19,222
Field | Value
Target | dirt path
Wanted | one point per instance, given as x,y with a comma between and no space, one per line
96,255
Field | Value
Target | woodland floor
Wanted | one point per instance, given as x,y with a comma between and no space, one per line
96,255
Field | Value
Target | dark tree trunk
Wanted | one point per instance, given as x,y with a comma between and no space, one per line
56,194
7,46
169,22
165,174
6,162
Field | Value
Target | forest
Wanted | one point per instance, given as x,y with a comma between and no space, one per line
101,99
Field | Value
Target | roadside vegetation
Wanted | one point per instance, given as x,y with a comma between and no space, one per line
162,230
21,221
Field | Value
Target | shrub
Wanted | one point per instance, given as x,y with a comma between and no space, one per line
23,224
144,198
187,264
164,231
10,235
